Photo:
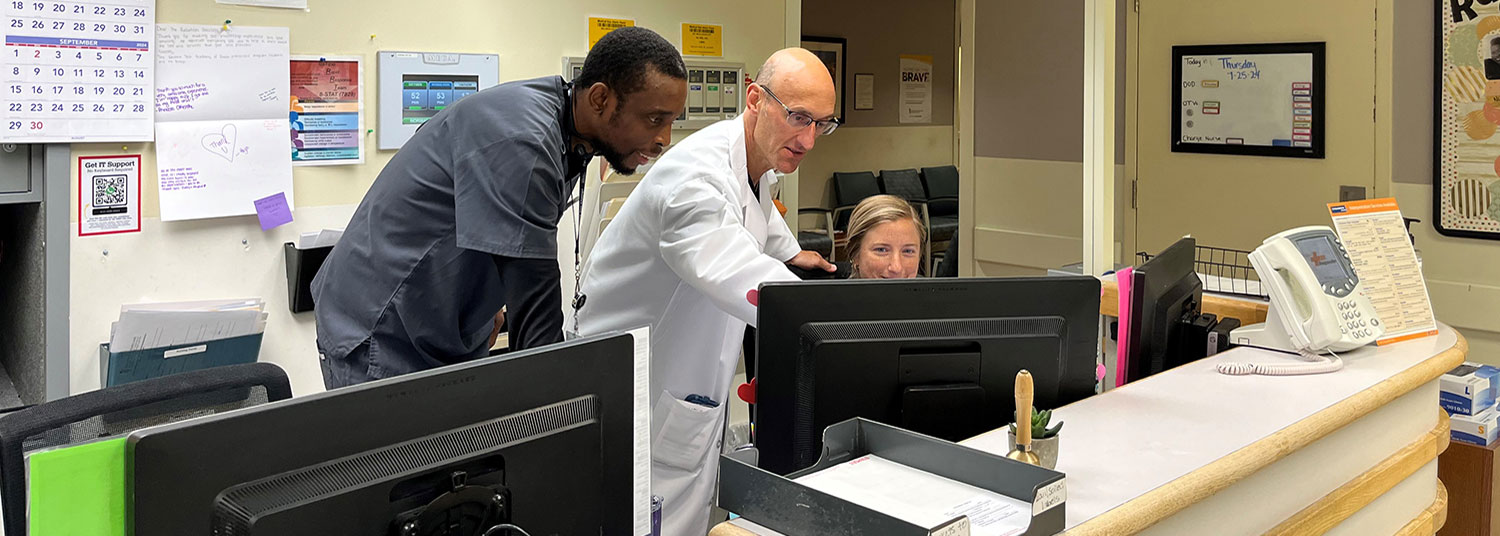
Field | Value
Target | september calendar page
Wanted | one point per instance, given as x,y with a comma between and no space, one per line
78,70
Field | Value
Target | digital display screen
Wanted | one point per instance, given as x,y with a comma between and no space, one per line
1323,258
424,95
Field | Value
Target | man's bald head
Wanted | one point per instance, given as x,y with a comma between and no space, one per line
792,94
797,71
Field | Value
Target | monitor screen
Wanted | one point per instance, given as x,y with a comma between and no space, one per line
1166,291
934,356
1323,257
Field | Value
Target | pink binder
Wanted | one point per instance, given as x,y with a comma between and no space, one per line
1123,279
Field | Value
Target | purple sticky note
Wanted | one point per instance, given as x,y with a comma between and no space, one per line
273,211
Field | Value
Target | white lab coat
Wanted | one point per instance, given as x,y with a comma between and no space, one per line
683,256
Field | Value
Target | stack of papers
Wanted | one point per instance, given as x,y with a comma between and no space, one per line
919,497
146,326
320,239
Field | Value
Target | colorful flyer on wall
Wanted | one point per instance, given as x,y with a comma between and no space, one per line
327,103
1466,180
109,194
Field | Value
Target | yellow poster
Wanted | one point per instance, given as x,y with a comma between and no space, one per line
598,26
702,39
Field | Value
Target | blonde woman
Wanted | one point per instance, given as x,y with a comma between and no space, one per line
886,239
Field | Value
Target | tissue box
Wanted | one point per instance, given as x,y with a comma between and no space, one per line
1469,389
1475,429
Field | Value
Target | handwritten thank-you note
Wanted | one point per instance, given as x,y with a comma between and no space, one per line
221,120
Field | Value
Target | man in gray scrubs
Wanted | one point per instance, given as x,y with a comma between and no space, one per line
463,220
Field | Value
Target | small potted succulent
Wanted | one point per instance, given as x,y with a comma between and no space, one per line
1044,439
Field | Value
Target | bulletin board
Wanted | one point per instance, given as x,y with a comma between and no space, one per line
1250,99
1466,152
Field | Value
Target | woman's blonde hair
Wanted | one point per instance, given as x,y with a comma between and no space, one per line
878,209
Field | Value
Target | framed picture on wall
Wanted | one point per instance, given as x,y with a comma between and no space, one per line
864,91
1466,106
831,51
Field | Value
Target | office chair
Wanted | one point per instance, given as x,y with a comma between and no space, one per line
942,203
118,410
907,185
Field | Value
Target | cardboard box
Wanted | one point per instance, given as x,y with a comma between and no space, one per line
1478,429
1469,389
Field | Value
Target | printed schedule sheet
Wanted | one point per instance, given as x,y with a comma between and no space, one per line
78,70
1374,234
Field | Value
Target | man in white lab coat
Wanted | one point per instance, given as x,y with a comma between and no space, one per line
686,255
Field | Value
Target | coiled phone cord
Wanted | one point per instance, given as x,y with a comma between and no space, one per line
1318,364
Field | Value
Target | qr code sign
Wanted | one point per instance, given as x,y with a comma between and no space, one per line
109,190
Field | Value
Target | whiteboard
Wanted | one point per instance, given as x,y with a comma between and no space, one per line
1263,100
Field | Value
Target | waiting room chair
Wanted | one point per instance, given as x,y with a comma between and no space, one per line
942,203
907,185
849,188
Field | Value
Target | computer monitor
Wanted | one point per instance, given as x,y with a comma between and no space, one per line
1165,291
541,439
934,356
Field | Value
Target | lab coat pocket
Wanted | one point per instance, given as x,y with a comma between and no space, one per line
684,433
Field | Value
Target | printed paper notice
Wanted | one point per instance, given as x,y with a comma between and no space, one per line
864,91
78,70
1375,236
326,105
916,89
598,26
641,410
920,497
209,169
109,194
702,40
206,72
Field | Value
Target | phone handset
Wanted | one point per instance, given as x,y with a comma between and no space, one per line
1311,326
1316,303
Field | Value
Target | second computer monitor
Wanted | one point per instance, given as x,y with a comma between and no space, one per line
541,439
935,356
1166,291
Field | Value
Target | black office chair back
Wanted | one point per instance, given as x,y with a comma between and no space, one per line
903,183
949,266
118,410
942,190
849,188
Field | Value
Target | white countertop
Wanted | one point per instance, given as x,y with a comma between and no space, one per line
1119,445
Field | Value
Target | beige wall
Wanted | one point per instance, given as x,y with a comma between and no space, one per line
879,31
1461,273
1028,135
872,140
232,257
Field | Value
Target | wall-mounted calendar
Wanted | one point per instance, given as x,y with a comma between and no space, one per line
78,71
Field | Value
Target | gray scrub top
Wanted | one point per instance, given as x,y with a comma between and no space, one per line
413,270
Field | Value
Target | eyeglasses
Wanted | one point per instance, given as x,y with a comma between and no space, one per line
799,120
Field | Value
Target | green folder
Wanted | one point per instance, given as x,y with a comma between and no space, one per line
78,490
